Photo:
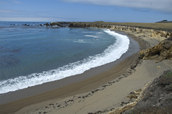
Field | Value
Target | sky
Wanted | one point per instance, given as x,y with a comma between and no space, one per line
86,10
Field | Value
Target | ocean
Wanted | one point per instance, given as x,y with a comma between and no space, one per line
33,55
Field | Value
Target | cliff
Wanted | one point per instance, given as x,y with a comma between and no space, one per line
161,51
157,98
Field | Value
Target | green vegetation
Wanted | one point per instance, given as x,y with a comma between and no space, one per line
166,80
164,21
169,74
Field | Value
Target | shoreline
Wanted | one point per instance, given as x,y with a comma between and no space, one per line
12,99
131,75
19,78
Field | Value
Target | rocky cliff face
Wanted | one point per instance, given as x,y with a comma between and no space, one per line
157,98
151,32
161,51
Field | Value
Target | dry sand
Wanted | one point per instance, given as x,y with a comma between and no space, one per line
101,93
107,97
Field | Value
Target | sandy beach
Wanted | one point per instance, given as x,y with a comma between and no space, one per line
98,90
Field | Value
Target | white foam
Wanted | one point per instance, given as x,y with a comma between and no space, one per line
80,41
91,36
112,53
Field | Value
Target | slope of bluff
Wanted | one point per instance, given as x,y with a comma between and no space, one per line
157,98
161,51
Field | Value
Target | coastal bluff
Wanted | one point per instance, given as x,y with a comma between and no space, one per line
161,51
160,33
156,98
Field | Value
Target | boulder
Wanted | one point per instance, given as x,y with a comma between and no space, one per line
162,51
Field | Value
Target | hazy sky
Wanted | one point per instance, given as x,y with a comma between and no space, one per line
86,10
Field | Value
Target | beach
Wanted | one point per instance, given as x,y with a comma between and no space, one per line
99,90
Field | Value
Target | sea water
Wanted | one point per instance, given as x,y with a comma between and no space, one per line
33,55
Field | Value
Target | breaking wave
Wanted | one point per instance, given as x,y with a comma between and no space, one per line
91,36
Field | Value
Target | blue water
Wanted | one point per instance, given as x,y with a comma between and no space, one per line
31,53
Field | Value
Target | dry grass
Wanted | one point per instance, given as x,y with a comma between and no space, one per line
166,26
159,26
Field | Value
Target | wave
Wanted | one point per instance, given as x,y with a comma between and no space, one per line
92,36
80,41
112,53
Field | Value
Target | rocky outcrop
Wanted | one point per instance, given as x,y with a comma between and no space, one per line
152,32
84,25
57,24
164,21
157,98
161,51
